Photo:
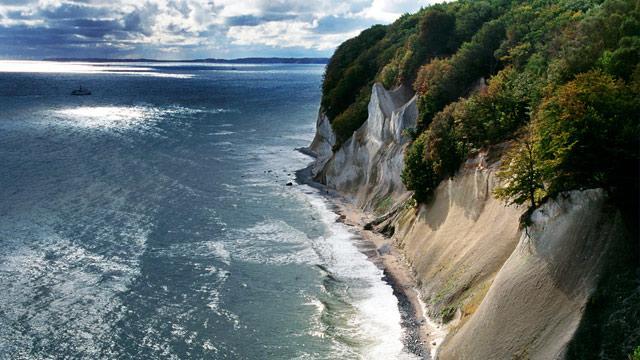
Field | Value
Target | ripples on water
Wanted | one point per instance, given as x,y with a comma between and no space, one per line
151,220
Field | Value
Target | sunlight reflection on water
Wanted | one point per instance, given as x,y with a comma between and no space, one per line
8,66
107,117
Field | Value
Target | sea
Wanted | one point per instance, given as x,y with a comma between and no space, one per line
153,220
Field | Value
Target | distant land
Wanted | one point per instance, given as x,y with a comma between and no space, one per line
249,60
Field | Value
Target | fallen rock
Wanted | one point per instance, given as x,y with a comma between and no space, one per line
384,249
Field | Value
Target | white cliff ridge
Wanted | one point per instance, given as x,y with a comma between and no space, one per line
322,144
368,166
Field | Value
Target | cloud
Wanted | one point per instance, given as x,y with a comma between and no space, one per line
186,28
389,10
70,10
285,34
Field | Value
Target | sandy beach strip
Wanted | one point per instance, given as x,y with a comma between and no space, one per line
424,335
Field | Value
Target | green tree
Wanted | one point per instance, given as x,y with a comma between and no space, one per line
587,134
444,149
435,30
521,173
417,174
494,113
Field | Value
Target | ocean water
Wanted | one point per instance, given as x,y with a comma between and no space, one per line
151,220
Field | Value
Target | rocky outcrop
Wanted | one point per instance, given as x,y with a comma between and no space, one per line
367,167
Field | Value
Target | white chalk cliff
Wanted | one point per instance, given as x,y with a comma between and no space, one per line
510,293
367,167
538,297
322,143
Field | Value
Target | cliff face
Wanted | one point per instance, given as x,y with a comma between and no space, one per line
367,167
538,298
322,143
509,293
459,241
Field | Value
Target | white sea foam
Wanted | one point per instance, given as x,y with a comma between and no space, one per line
220,251
378,317
214,298
369,307
221,133
273,242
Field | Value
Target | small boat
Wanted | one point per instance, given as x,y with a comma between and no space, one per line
81,91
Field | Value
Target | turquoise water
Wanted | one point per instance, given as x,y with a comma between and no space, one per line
151,220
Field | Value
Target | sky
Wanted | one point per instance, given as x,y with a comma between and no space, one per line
187,29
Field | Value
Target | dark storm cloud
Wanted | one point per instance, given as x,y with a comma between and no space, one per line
90,35
97,29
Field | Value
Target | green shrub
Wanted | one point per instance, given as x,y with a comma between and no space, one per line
493,114
445,149
521,173
446,80
434,38
417,174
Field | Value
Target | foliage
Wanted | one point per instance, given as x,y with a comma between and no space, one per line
351,119
445,150
434,38
392,54
588,133
585,135
559,79
445,80
417,173
353,68
521,173
605,37
494,113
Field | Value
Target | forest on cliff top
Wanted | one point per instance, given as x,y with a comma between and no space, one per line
559,79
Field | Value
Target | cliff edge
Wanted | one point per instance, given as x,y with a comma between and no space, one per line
505,292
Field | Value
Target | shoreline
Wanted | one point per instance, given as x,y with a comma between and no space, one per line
423,336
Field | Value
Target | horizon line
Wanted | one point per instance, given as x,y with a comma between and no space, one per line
263,59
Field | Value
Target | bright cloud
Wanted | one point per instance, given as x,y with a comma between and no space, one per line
187,28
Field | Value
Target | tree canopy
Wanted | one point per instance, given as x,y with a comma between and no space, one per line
564,72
